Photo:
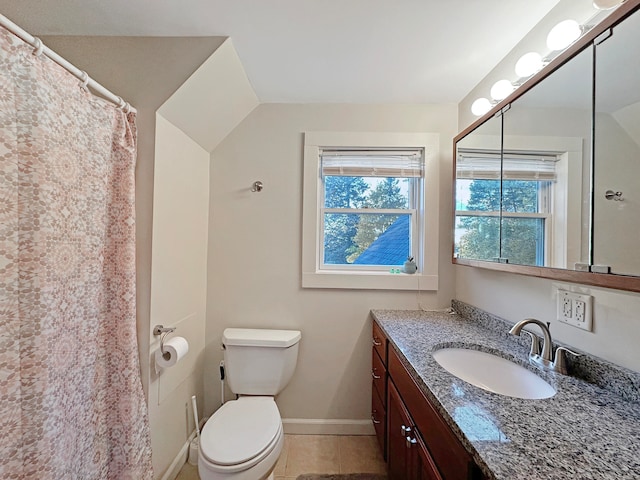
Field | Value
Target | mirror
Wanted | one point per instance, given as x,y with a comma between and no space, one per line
546,169
616,217
477,204
566,145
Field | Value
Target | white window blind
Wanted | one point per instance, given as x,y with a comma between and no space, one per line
515,166
372,163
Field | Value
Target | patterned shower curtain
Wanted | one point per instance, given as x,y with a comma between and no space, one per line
71,399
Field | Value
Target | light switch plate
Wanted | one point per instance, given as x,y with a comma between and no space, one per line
575,309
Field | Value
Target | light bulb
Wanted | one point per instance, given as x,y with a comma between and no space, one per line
606,4
501,89
563,35
480,106
528,64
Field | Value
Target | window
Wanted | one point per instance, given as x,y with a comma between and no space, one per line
508,220
369,207
370,201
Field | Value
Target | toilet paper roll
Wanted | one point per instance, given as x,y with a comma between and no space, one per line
174,349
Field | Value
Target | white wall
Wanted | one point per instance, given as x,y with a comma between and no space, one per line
255,253
178,285
616,224
214,100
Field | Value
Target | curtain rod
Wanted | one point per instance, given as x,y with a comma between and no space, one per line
87,81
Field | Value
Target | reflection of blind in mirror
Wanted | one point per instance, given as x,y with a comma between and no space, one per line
515,166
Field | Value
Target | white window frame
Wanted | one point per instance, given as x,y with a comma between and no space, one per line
314,274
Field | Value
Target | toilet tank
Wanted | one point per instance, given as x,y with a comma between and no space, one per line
259,361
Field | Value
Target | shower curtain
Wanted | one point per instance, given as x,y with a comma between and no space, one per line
71,399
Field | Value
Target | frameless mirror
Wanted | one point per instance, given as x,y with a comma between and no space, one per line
546,170
616,217
477,191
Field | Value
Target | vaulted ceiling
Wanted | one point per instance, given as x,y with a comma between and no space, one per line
303,51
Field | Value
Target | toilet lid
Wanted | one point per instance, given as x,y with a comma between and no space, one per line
240,430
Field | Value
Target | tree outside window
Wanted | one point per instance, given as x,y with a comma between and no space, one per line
481,213
366,201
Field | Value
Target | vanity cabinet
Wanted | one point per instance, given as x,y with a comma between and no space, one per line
416,442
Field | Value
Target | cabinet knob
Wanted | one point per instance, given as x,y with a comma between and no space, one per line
373,374
373,418
376,342
405,430
411,442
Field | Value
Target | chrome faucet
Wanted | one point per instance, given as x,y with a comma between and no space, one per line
543,360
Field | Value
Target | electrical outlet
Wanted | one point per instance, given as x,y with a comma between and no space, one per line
567,307
575,309
579,308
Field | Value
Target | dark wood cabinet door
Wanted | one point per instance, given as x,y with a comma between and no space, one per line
453,461
424,468
379,419
398,452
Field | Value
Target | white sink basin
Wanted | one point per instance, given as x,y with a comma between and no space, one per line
493,373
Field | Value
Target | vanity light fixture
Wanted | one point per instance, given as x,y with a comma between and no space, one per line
606,4
501,89
480,106
559,38
563,35
528,64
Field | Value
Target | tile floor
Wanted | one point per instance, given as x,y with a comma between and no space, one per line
320,454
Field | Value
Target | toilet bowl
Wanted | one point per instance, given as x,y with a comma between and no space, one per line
244,438
241,441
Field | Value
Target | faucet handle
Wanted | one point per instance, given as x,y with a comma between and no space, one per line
535,343
560,365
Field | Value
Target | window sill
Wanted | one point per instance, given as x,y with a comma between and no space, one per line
369,281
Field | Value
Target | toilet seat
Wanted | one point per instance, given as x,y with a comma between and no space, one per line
241,434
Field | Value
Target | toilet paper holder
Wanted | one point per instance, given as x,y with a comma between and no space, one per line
164,331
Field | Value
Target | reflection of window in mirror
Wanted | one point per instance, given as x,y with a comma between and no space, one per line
477,221
524,201
477,227
521,208
554,118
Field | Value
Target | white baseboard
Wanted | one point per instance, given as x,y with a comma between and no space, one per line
178,462
313,426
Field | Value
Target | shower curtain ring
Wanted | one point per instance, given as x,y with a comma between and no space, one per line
85,81
39,46
124,106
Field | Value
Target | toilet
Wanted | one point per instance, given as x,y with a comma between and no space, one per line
243,439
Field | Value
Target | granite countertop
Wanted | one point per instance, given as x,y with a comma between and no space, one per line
582,432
